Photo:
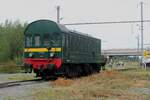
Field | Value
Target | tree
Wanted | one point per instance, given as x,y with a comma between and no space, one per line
11,40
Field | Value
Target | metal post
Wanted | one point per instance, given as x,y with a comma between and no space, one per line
142,43
58,14
138,43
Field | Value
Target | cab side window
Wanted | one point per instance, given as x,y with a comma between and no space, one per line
46,40
28,41
37,41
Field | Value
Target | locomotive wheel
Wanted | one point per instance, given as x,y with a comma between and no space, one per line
94,67
75,71
72,70
86,69
78,71
90,70
67,71
28,68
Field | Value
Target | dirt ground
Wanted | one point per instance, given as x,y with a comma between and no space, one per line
107,85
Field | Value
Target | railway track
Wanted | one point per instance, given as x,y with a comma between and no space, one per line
20,83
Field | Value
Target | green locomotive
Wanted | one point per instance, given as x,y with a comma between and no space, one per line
52,49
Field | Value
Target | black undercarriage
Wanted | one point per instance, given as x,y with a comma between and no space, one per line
70,70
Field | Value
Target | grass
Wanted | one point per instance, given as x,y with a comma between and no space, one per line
10,67
17,77
107,85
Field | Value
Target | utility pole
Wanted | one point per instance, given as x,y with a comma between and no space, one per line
58,14
142,40
138,43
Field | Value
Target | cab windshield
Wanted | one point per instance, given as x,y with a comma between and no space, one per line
46,40
51,40
37,41
32,41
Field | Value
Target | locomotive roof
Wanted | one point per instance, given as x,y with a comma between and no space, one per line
42,26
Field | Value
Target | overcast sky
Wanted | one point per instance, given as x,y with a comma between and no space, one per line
74,11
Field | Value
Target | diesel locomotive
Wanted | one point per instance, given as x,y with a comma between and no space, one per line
52,49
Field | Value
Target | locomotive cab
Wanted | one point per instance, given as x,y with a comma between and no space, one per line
42,52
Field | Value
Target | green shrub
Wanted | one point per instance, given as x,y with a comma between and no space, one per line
11,40
10,67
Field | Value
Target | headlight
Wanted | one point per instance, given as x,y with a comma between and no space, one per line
30,54
51,54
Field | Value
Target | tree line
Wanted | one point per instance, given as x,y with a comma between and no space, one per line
11,40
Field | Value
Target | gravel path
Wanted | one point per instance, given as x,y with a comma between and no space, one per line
19,92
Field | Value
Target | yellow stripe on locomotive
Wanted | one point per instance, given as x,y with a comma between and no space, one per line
42,50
